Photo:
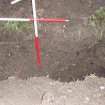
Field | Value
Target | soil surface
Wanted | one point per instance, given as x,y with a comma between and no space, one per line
44,91
69,51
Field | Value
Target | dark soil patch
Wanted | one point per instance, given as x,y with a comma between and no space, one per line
68,50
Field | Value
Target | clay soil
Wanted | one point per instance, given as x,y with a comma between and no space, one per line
69,51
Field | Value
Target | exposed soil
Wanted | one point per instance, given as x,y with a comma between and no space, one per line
68,50
44,91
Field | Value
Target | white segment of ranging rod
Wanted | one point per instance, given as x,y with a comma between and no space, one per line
14,2
35,17
15,19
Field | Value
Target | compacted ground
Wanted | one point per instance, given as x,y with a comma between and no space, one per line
69,50
44,91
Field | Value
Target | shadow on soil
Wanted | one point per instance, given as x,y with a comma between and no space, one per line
88,61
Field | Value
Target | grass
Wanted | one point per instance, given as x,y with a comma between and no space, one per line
15,26
97,21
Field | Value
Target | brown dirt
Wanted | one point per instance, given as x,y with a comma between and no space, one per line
68,50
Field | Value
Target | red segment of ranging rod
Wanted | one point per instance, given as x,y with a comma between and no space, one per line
37,50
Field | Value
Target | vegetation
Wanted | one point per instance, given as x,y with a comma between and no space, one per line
97,21
15,26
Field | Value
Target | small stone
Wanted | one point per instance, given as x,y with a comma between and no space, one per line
48,99
73,64
10,54
17,46
92,76
86,100
51,83
47,76
40,12
69,90
11,78
64,26
102,87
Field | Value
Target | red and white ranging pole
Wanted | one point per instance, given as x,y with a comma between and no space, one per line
32,20
36,32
